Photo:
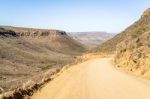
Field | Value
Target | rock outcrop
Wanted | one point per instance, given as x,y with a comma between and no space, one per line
7,33
133,53
29,32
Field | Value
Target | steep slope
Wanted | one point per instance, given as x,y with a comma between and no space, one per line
133,54
135,30
25,53
91,39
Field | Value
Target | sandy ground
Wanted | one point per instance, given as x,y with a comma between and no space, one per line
94,79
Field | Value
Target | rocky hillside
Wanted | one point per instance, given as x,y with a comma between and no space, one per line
133,53
91,39
134,31
25,53
55,40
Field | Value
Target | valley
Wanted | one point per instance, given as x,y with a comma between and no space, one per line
28,53
55,64
91,39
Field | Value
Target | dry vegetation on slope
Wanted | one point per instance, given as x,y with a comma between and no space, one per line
132,47
133,54
134,31
26,53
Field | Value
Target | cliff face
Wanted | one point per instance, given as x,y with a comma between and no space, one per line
7,33
133,54
39,33
29,32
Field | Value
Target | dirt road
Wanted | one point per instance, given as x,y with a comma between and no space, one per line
94,79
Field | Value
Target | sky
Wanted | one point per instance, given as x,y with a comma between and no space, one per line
72,15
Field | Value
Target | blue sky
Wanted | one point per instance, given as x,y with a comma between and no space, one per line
72,15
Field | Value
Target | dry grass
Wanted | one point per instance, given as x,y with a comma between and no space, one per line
133,54
23,57
133,31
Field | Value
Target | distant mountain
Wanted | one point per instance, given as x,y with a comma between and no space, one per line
91,39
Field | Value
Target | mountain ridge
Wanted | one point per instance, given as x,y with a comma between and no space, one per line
91,39
133,31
